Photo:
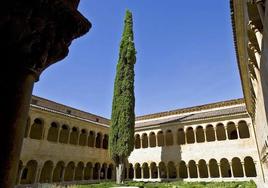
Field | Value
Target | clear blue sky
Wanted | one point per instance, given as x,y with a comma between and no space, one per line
185,57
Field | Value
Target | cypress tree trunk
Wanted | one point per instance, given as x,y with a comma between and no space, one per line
121,135
120,171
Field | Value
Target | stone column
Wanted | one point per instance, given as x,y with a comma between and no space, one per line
178,171
256,53
167,170
156,141
51,176
22,169
34,35
226,133
158,172
134,171
58,138
188,171
237,130
38,174
243,167
209,176
62,174
232,170
219,165
197,169
150,172
141,172
257,33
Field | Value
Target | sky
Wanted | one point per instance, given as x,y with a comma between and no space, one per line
185,57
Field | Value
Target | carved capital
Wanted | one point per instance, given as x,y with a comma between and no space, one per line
37,33
252,27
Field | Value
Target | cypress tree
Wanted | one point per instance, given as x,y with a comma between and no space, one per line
121,136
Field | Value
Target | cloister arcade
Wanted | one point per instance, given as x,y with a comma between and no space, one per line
223,168
190,135
65,134
60,171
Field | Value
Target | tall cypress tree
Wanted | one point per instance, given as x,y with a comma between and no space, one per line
121,139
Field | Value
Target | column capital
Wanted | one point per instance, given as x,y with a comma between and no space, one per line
38,33
252,26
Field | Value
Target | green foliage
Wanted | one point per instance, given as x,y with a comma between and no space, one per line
121,138
177,184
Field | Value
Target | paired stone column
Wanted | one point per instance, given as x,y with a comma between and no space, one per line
20,174
34,35
219,165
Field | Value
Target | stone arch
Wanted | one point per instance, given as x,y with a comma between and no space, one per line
172,171
98,140
28,124
96,169
152,139
88,171
220,132
53,132
130,171
37,129
28,174
210,133
169,138
83,138
64,134
137,141
105,141
183,170
91,139
237,167
231,130
160,138
46,172
192,169
243,129
74,136
203,170
103,171
225,168
69,172
58,171
181,136
214,168
79,171
110,172
145,169
144,140
138,171
154,172
250,168
190,135
162,170
200,135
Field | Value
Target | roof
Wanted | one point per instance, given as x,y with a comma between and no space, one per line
67,110
191,109
194,116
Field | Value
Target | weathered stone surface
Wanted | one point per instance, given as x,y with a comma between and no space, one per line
34,34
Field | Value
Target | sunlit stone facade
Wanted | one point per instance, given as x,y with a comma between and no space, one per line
213,142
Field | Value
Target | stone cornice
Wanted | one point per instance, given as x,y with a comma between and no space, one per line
191,109
240,35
